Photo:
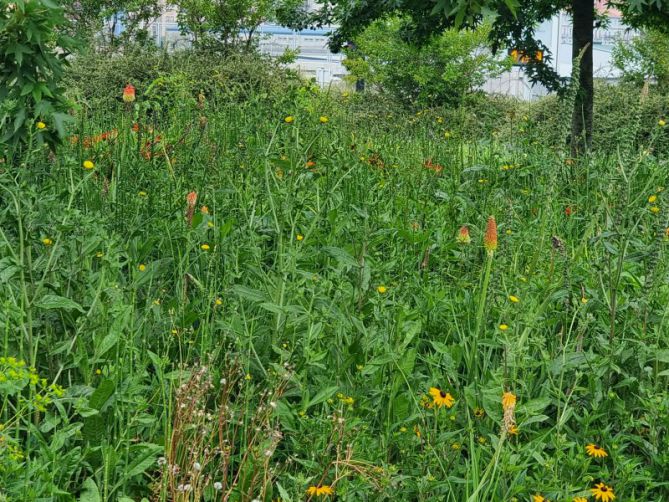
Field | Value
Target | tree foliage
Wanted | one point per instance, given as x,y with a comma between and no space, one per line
222,24
644,58
33,54
439,72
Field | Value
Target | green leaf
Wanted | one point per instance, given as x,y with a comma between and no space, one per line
101,395
51,302
323,395
90,492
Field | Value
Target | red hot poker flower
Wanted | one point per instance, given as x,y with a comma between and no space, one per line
490,237
129,93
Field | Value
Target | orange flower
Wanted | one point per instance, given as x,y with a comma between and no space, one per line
191,200
463,235
129,93
490,237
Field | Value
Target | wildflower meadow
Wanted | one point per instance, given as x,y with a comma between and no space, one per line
237,285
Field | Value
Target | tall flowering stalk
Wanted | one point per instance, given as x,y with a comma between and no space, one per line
129,94
490,245
191,200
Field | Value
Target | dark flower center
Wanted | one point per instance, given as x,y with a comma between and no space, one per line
596,446
603,489
442,394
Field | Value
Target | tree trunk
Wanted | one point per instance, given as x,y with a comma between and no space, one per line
583,15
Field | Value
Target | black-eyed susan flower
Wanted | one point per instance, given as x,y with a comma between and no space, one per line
441,398
479,412
603,493
539,498
320,491
382,289
580,499
47,242
40,125
289,119
88,165
594,450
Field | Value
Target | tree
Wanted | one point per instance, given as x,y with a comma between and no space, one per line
645,58
223,24
513,26
33,55
440,72
97,21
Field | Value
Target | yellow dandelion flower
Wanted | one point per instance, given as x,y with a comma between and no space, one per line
40,125
508,400
382,289
88,164
141,267
603,492
584,300
503,327
247,377
447,134
205,247
323,119
98,371
441,398
661,123
513,299
654,209
594,450
142,193
320,491
652,199
456,446
47,242
218,301
289,119
299,237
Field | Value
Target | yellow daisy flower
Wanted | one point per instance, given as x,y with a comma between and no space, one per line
47,242
441,398
382,289
603,493
205,247
320,491
594,450
513,299
88,164
41,125
289,119
503,327
323,119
